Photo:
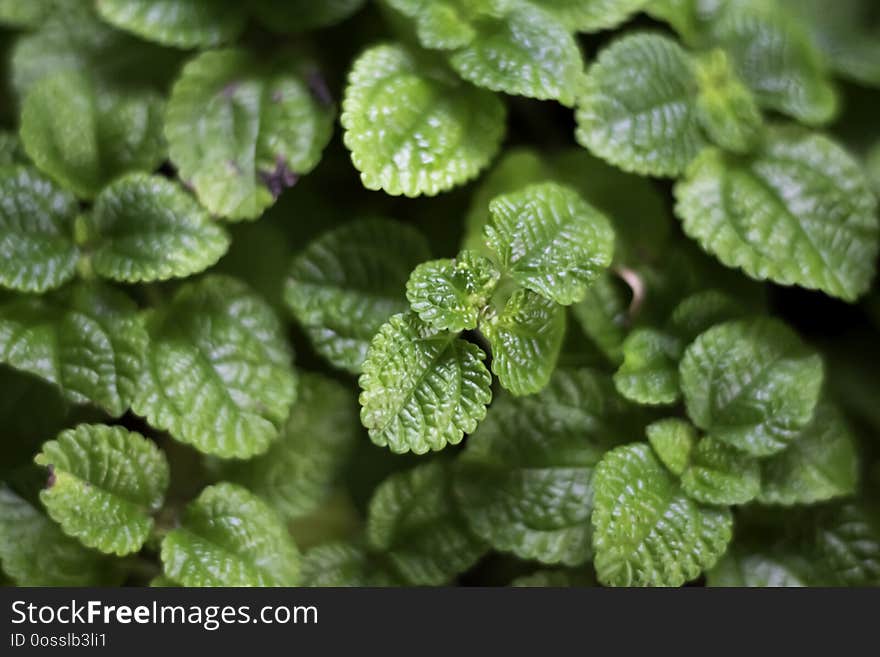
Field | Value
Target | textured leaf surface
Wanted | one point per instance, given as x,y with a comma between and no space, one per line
104,485
83,136
846,543
525,480
525,52
450,294
300,468
758,568
719,474
525,337
752,384
820,464
146,228
550,240
413,520
592,15
673,441
241,131
37,250
85,338
413,128
218,373
35,552
346,564
349,282
799,212
646,531
637,109
422,390
649,373
775,57
178,23
602,316
230,537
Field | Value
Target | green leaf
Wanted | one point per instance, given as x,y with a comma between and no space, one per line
758,568
346,564
230,537
555,579
84,136
637,109
591,15
820,464
104,485
846,545
647,532
602,316
25,13
775,57
349,282
412,519
85,338
719,474
37,251
177,23
525,480
147,228
799,212
300,15
726,109
751,384
524,52
673,441
525,337
649,373
35,552
240,131
11,151
298,472
551,241
422,390
218,372
450,294
413,128
701,311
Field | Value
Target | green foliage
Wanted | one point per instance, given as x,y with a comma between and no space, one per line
481,261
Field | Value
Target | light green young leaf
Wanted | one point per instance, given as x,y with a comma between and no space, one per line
230,537
413,128
422,390
525,480
751,384
649,373
758,568
775,57
524,52
83,136
104,485
177,23
591,15
525,337
551,241
673,441
346,564
87,339
298,472
218,372
241,131
35,552
412,519
820,464
637,109
450,294
721,475
647,532
349,282
147,228
300,15
799,212
37,249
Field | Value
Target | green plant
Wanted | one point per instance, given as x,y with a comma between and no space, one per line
623,330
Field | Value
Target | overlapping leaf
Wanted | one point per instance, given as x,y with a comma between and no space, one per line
346,564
